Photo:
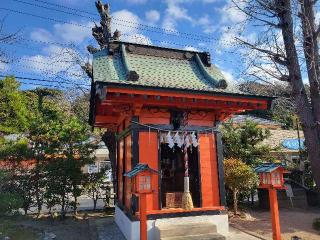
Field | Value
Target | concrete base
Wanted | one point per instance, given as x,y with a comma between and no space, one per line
131,229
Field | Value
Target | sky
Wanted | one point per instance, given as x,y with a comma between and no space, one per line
53,34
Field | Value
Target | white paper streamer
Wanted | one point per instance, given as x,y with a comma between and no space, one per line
170,140
194,140
178,140
187,140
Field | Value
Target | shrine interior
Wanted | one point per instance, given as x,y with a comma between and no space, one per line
172,175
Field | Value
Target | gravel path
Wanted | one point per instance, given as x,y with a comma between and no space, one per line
294,222
108,230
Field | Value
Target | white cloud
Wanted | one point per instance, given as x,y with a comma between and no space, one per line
177,12
130,31
131,24
189,48
228,75
73,33
4,67
205,20
67,33
174,13
41,34
230,14
207,26
228,37
231,81
137,38
55,60
152,16
317,17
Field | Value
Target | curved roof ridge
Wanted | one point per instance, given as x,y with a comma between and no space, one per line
217,83
131,74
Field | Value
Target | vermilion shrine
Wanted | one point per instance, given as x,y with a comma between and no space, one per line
165,106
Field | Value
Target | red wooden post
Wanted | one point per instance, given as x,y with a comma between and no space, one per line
143,216
274,213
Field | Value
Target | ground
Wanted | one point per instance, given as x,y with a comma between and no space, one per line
100,225
294,222
31,228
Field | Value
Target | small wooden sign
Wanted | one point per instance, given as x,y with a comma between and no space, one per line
174,200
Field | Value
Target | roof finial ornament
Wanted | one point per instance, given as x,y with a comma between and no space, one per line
103,33
116,35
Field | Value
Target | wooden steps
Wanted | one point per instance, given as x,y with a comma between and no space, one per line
189,231
212,236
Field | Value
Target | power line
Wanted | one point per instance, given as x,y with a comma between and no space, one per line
38,74
66,7
123,20
83,26
43,85
46,80
144,27
45,18
50,8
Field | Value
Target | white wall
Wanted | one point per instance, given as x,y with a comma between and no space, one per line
131,229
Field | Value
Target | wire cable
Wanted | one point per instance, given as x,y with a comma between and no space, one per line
126,21
44,80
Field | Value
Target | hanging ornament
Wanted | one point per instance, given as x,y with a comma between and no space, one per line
170,140
194,140
187,141
177,139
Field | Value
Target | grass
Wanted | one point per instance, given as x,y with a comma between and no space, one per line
8,228
316,224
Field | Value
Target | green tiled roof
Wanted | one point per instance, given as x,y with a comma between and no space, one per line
155,70
267,167
140,167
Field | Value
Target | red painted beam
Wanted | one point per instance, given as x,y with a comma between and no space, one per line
180,103
186,95
100,119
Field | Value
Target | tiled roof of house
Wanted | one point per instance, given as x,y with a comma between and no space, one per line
148,66
240,119
278,136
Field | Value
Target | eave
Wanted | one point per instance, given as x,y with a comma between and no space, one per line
122,101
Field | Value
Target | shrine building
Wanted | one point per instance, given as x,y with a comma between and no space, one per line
165,106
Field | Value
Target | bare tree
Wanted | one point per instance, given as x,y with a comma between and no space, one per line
287,50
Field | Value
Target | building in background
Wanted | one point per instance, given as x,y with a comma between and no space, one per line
287,146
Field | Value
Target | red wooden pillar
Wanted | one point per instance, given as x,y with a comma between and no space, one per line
276,234
143,216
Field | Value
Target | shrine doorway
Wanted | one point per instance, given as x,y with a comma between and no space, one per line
172,175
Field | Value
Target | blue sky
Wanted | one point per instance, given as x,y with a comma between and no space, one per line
56,35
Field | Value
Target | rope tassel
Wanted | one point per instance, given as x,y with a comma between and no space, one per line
187,202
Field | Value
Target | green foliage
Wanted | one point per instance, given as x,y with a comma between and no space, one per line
244,142
239,178
14,114
10,201
239,175
54,135
14,150
94,186
69,153
316,224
